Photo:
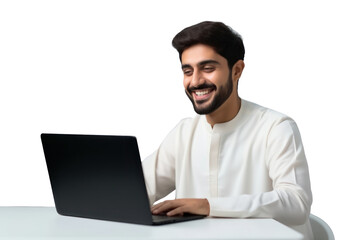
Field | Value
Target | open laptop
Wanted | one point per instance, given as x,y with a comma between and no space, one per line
100,177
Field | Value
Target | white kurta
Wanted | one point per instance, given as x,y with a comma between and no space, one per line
251,166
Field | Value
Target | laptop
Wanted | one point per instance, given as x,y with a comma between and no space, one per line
100,177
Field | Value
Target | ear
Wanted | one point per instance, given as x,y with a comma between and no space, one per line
237,69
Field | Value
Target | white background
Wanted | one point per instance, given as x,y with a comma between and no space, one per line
108,67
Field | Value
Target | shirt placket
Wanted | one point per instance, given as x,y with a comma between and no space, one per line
214,164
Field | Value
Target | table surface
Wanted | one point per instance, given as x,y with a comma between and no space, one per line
44,223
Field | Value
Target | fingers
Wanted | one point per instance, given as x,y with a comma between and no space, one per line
166,207
181,206
177,212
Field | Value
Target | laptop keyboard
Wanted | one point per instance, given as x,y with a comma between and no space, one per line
164,217
159,219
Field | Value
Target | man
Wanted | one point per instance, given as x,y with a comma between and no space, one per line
235,158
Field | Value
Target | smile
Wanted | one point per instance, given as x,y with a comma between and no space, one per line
202,94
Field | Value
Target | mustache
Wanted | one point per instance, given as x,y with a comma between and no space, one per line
202,86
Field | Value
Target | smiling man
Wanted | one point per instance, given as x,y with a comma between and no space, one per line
209,84
234,158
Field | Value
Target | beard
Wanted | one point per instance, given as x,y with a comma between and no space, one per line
221,95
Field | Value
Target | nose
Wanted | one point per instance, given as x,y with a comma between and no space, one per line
197,78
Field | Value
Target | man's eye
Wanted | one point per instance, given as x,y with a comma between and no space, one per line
209,69
187,72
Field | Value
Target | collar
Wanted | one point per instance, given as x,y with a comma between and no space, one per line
226,126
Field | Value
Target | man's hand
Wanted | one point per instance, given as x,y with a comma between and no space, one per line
181,206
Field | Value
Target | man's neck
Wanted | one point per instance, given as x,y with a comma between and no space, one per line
225,112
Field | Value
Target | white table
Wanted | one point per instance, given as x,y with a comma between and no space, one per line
44,223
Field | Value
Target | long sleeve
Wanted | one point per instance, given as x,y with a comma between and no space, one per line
290,200
159,169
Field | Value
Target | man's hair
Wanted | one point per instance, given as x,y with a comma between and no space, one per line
225,41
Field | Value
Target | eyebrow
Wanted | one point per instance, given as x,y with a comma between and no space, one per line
202,63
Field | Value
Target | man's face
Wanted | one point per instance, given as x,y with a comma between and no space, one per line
207,78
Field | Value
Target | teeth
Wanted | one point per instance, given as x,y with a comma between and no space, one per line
201,93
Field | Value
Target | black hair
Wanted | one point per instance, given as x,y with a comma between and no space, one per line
224,40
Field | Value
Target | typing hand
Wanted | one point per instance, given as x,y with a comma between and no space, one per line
181,206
